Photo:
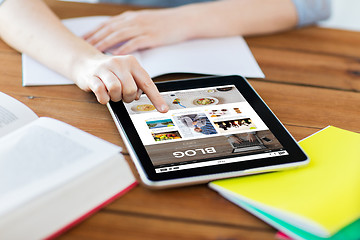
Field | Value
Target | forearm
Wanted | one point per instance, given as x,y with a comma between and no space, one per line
30,27
239,17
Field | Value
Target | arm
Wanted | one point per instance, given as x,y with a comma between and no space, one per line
30,27
151,28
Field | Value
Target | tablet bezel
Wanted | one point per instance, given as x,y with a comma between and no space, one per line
144,164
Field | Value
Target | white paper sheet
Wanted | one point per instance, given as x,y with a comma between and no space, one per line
217,56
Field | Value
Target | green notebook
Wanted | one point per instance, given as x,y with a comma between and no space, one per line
349,232
321,200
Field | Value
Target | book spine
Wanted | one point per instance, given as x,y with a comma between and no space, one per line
89,213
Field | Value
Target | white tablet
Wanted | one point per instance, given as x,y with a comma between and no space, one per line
217,127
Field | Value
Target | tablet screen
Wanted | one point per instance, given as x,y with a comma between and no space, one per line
204,127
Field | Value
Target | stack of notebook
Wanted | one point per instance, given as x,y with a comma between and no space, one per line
320,201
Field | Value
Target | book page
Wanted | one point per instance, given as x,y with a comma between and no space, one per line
44,155
13,114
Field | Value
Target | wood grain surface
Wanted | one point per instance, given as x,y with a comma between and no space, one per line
312,81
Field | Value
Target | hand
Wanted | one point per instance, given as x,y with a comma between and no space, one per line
235,139
140,30
116,78
251,137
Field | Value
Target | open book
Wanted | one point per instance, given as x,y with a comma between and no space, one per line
52,175
217,56
318,202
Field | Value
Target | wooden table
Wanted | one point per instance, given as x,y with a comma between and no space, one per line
312,81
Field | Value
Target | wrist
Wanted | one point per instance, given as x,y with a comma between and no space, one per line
83,64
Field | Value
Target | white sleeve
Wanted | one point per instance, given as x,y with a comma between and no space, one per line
311,11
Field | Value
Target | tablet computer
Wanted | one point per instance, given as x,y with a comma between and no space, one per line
217,127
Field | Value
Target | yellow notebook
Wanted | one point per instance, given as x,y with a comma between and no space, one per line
321,198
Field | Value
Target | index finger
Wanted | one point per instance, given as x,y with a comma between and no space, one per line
145,83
